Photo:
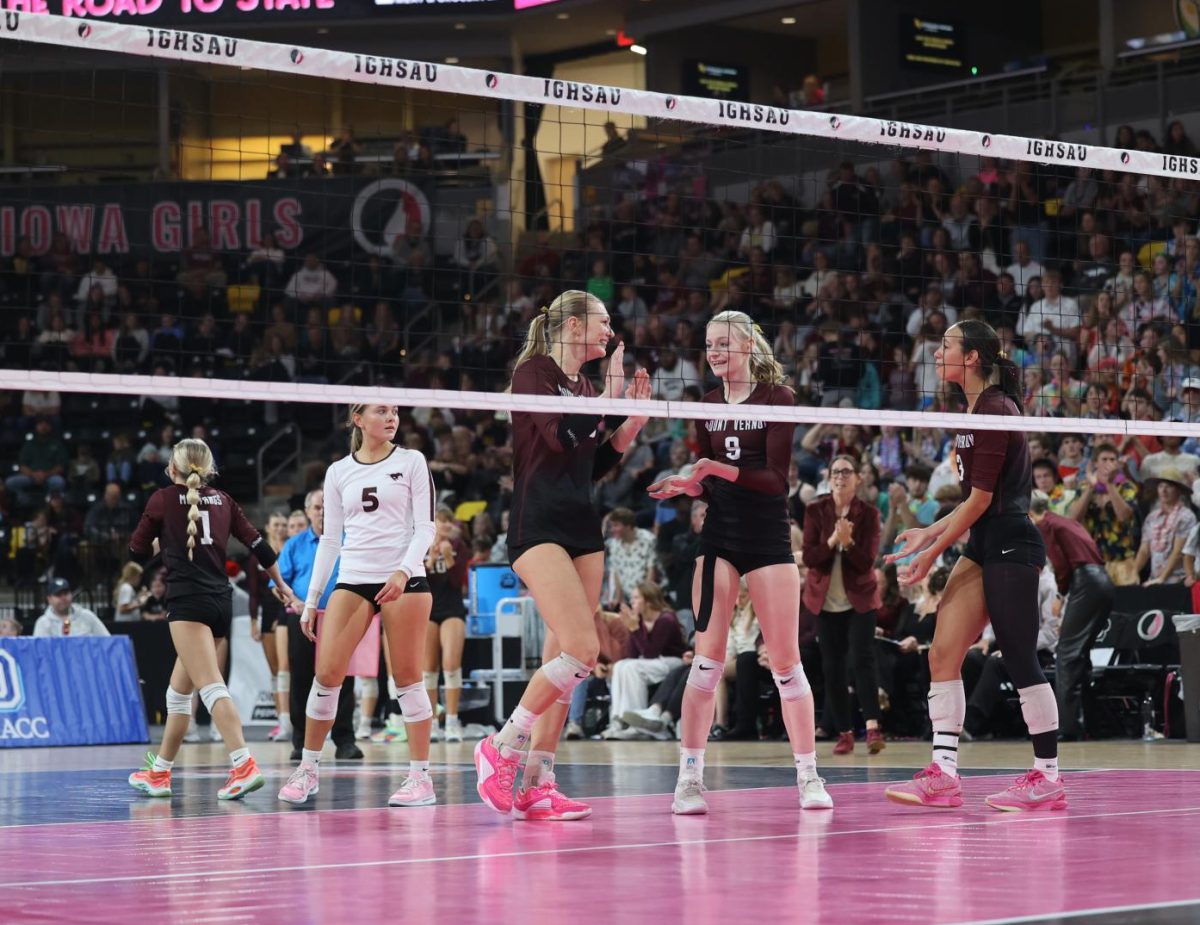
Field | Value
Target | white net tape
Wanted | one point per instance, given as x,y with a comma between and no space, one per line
185,46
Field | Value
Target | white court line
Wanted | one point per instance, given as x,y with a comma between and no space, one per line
1001,819
1079,913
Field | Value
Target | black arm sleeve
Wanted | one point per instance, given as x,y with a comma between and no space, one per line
264,554
606,457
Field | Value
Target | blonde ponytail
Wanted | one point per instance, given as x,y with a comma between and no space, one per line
193,460
356,434
547,326
763,365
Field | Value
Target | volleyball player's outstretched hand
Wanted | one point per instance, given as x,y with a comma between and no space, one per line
392,588
915,570
614,379
308,623
639,388
912,541
674,485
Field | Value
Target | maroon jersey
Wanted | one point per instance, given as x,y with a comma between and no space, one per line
166,519
749,515
448,582
555,461
996,460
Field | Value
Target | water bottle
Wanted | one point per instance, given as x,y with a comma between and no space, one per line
1148,734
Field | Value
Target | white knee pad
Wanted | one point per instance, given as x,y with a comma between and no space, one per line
705,674
431,679
370,687
322,701
211,693
178,704
566,673
1039,708
284,682
414,702
947,706
453,678
793,683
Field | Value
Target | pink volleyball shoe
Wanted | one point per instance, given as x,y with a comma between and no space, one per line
1031,792
544,803
931,787
497,769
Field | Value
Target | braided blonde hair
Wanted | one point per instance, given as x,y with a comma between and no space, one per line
194,460
763,365
547,325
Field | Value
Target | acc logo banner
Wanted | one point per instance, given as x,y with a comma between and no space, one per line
388,209
12,690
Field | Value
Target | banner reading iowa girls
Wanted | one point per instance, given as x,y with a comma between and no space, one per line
335,217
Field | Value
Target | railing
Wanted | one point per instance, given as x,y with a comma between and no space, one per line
288,430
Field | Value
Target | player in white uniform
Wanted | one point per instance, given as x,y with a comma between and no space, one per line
381,496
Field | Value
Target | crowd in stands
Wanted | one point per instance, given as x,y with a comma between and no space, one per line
1091,278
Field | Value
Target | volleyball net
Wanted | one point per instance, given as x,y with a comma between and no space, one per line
296,226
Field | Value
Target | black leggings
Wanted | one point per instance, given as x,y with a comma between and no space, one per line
849,636
1011,594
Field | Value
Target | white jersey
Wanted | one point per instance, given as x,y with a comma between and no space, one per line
380,516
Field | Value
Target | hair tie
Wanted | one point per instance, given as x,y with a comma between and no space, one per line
545,309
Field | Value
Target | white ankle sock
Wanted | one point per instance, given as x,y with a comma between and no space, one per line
310,757
418,768
239,756
1048,767
691,761
515,733
161,763
537,766
806,765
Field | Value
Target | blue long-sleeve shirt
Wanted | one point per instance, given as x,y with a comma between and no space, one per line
296,566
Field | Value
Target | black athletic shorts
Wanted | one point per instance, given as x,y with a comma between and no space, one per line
444,608
1006,538
573,552
213,610
367,592
746,562
272,612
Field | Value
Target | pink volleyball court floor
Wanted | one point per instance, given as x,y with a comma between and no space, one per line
76,846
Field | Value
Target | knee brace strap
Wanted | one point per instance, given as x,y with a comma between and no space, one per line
322,701
178,704
431,679
211,693
414,702
792,683
453,678
706,673
370,687
1039,708
284,679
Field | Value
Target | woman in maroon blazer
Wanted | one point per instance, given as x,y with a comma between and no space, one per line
841,543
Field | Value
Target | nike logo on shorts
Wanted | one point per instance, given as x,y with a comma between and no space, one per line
705,667
1005,552
319,694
